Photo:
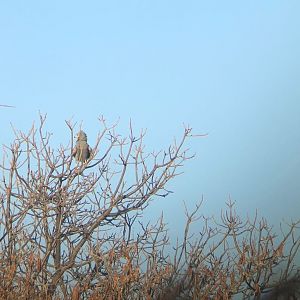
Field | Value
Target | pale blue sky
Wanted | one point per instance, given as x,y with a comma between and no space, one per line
228,68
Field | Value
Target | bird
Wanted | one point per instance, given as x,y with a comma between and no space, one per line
5,105
82,150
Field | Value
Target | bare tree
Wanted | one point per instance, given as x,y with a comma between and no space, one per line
73,230
62,214
233,257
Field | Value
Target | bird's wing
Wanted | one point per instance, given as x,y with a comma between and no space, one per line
90,150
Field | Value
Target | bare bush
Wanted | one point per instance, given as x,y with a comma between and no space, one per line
74,230
285,290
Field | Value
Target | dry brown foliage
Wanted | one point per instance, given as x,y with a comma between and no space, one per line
73,230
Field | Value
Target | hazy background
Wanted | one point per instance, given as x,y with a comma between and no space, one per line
228,68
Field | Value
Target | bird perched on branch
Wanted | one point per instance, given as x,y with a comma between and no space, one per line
82,150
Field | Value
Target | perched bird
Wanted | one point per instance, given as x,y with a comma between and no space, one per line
82,150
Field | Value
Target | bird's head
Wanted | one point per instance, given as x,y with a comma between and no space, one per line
81,136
